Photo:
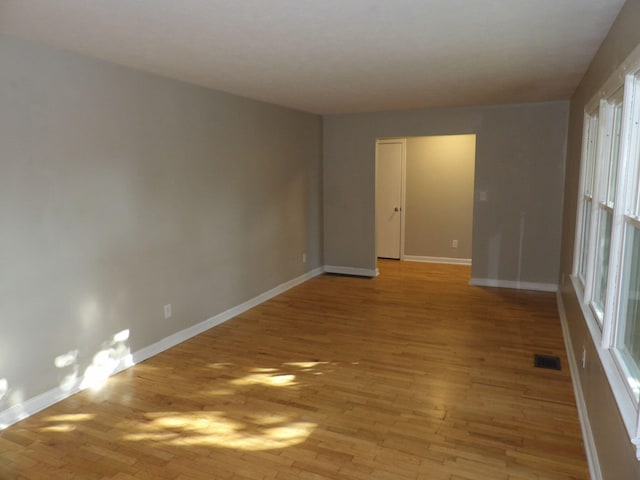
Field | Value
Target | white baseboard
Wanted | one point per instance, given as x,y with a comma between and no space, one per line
35,404
587,434
360,272
490,282
187,333
445,260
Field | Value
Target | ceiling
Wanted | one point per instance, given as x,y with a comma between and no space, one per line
336,56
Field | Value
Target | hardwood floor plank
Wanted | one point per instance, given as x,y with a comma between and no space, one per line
410,375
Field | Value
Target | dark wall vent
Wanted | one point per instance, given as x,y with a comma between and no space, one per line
546,361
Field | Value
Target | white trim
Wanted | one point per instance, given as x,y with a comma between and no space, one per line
403,218
587,126
403,186
605,116
626,151
445,260
593,461
492,282
628,66
35,404
187,333
604,328
627,408
359,272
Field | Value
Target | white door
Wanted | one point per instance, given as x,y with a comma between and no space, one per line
389,198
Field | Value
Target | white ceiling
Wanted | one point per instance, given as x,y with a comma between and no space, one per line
336,56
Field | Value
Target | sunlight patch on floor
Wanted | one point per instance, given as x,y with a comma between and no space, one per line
71,417
60,428
220,365
265,379
260,432
221,391
305,365
66,422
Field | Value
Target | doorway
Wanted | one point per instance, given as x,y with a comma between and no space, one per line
430,181
390,185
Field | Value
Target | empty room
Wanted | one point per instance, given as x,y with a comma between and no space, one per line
320,240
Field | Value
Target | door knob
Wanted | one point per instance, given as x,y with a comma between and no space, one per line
396,209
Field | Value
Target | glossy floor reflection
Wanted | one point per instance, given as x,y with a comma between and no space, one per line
411,375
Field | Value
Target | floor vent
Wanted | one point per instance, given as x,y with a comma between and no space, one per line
546,361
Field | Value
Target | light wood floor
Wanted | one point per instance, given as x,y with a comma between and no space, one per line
411,375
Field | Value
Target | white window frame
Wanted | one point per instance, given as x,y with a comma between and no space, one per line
604,327
599,167
585,189
600,198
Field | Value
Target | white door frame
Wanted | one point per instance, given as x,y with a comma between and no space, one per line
403,183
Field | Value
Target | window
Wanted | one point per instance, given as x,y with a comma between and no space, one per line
606,271
628,339
605,186
586,199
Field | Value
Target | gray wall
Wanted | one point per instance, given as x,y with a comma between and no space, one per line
439,195
123,191
520,153
615,452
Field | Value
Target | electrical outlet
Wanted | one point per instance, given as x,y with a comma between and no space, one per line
167,311
584,357
304,257
454,244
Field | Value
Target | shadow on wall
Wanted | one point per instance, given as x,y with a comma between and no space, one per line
113,356
496,268
4,388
